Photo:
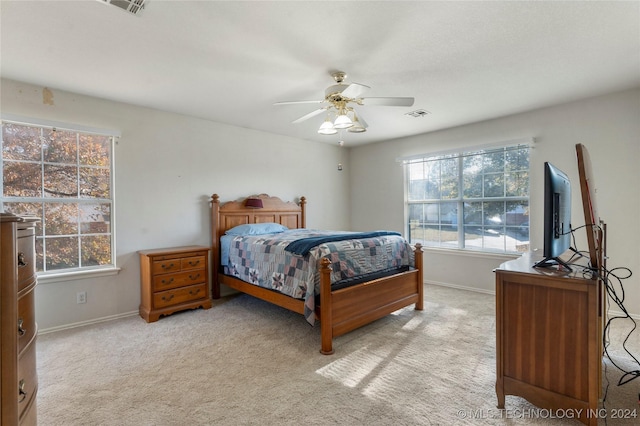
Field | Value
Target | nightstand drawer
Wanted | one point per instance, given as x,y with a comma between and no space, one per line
165,266
180,279
180,295
195,262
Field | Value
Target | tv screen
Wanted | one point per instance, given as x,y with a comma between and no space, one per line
557,216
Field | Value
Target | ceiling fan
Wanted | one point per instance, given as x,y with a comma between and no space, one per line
339,100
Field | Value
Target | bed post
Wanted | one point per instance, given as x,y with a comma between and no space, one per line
326,328
215,246
418,262
303,219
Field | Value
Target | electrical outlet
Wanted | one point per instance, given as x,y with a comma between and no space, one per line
81,297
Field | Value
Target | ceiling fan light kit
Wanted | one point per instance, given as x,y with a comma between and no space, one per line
326,128
342,122
338,98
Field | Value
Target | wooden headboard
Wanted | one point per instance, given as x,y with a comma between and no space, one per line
233,213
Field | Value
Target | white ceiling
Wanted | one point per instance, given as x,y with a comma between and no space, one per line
230,61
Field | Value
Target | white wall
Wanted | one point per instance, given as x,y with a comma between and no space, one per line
609,126
167,168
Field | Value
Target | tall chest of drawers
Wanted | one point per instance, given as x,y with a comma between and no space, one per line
173,279
17,319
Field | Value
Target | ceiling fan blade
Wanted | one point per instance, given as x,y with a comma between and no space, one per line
308,116
388,101
298,102
354,90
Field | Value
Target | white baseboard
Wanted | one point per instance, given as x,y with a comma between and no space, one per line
460,287
89,322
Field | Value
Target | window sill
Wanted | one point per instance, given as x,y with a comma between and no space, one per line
76,275
472,253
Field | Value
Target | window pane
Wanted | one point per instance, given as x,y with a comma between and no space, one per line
473,237
432,170
95,219
93,250
94,183
60,181
432,235
95,150
472,176
493,162
493,213
493,239
60,146
61,218
417,190
61,253
21,179
449,213
517,160
517,184
21,142
473,213
449,181
493,185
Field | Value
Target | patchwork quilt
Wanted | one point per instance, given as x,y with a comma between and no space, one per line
264,261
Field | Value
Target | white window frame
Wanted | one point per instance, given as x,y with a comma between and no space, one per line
79,272
460,200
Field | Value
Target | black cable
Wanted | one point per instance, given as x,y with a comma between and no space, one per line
607,275
619,301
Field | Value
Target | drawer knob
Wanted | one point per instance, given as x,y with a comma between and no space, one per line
22,394
167,281
191,277
194,292
167,298
169,266
21,331
193,263
21,262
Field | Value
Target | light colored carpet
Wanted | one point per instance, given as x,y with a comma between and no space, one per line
246,362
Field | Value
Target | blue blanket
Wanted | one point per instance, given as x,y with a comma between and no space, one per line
304,245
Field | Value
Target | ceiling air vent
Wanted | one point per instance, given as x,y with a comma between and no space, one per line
417,113
131,6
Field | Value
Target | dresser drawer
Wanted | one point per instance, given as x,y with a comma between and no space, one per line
26,257
179,295
180,279
26,320
27,378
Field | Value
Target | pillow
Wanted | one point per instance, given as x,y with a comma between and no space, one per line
256,229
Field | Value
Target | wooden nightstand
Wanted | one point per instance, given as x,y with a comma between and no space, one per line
173,279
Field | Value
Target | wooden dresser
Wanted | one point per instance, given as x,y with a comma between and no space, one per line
17,318
549,337
173,279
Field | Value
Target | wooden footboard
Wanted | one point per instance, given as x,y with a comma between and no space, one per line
347,309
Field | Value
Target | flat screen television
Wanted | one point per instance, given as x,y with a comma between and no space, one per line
557,216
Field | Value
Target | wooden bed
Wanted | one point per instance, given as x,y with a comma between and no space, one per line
340,311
